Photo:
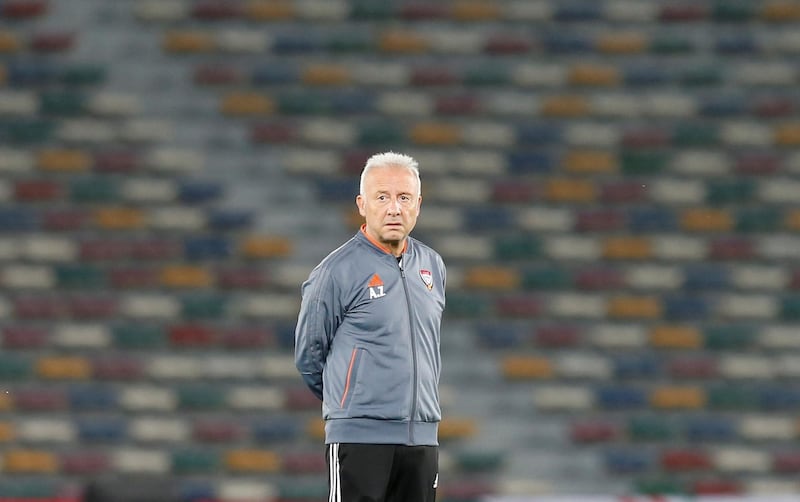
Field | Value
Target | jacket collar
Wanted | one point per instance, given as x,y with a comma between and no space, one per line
378,245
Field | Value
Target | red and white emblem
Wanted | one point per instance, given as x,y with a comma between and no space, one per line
427,278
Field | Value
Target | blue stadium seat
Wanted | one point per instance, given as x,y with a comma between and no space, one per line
522,162
621,398
538,133
779,398
500,335
18,219
566,43
31,72
229,219
628,461
686,307
275,430
652,219
712,428
94,397
706,277
207,248
199,192
102,429
736,45
636,367
490,217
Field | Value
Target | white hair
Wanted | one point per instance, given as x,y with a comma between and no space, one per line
390,159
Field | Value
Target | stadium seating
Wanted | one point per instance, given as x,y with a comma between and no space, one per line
611,184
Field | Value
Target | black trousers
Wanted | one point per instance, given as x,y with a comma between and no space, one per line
382,472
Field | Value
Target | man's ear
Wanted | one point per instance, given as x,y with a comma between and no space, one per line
360,205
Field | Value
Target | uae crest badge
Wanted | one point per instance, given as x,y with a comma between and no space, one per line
427,278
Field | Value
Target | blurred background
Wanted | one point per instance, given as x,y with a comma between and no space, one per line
613,184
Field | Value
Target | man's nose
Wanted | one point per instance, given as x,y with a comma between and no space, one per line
394,206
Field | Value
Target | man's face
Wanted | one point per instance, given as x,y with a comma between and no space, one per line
390,204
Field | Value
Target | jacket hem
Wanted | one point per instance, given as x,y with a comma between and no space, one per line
372,431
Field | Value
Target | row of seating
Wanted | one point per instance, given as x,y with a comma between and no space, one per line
466,11
282,432
698,459
714,430
150,305
566,366
639,339
565,397
194,245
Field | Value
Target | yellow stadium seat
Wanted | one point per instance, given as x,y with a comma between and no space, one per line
676,337
781,11
29,462
593,75
119,218
788,134
565,106
471,10
590,162
457,428
6,401
269,10
186,276
266,247
706,220
678,397
326,74
570,190
635,307
489,277
621,43
64,160
793,220
627,248
246,103
249,460
402,42
434,133
6,432
63,368
188,41
8,42
316,428
3,74
526,367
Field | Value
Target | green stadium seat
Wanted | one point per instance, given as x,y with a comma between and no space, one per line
758,219
63,103
83,74
94,190
729,337
648,428
486,74
468,305
380,133
139,336
517,247
371,10
201,397
643,163
694,134
209,306
790,308
730,191
732,397
546,277
350,41
671,44
15,367
194,461
701,75
79,276
659,486
479,461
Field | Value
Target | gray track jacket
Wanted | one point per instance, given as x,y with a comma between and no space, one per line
367,342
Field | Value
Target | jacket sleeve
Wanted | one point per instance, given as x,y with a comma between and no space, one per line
319,317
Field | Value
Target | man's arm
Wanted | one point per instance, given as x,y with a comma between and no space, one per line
316,325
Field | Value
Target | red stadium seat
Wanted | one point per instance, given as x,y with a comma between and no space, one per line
40,399
557,336
117,367
216,431
25,337
685,460
192,336
593,431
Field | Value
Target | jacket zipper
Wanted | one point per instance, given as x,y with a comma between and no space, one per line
413,355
